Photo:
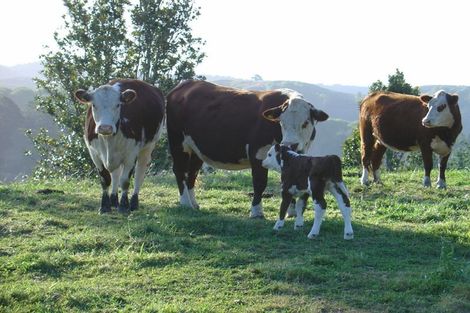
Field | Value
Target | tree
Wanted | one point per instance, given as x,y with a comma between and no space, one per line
352,149
99,45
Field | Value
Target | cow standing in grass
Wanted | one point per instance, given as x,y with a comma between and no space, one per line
407,123
233,129
124,121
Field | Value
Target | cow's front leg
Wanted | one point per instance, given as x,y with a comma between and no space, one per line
127,170
115,176
441,182
105,180
260,180
286,200
426,154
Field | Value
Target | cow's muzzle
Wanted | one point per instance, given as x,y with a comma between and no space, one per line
426,123
105,130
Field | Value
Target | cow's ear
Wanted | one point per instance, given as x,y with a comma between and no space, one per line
425,98
318,115
83,96
128,95
274,113
452,99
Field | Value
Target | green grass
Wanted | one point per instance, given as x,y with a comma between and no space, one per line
411,251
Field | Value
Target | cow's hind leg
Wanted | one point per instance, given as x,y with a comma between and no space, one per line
376,160
142,164
441,182
195,164
426,153
367,143
105,179
340,192
260,180
115,176
127,171
299,211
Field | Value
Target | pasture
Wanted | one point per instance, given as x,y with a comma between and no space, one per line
411,251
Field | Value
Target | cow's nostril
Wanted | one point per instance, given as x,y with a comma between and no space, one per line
105,129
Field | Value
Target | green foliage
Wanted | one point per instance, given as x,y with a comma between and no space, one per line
99,44
352,149
410,251
396,83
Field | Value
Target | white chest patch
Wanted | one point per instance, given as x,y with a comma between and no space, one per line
115,150
189,146
439,146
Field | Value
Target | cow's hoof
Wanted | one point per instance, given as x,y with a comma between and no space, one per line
114,200
348,236
123,207
426,181
441,184
104,210
134,202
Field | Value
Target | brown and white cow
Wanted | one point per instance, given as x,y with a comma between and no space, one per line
233,129
406,123
303,175
124,121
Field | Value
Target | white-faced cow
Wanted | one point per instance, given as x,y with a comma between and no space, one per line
123,123
406,123
306,175
233,129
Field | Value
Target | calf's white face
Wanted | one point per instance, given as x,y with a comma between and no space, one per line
297,118
439,113
273,159
106,104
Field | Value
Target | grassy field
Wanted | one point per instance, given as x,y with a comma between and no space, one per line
411,251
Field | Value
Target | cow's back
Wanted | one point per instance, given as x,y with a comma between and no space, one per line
222,121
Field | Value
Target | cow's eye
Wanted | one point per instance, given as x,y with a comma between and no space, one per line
441,108
305,124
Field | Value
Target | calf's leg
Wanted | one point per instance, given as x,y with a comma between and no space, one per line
286,200
339,191
299,211
317,189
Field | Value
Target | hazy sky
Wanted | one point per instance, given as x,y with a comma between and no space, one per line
316,41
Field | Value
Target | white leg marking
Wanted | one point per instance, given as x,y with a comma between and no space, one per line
427,181
291,211
319,213
279,224
365,176
115,175
441,184
192,197
345,210
257,211
377,176
185,198
299,220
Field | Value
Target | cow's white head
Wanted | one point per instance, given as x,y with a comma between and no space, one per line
440,108
297,118
106,102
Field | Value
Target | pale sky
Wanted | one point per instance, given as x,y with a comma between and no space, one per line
315,41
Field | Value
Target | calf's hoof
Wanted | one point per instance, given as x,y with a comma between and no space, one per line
299,223
312,236
134,202
348,236
279,224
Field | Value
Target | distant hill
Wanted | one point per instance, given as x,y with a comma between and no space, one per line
19,75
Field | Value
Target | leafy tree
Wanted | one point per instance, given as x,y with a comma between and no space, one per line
98,44
352,149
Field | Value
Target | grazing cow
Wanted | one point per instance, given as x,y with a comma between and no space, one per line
407,123
233,129
305,175
123,123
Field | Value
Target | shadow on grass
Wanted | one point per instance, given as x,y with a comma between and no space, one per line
383,262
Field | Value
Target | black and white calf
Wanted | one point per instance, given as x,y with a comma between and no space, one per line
123,123
302,176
